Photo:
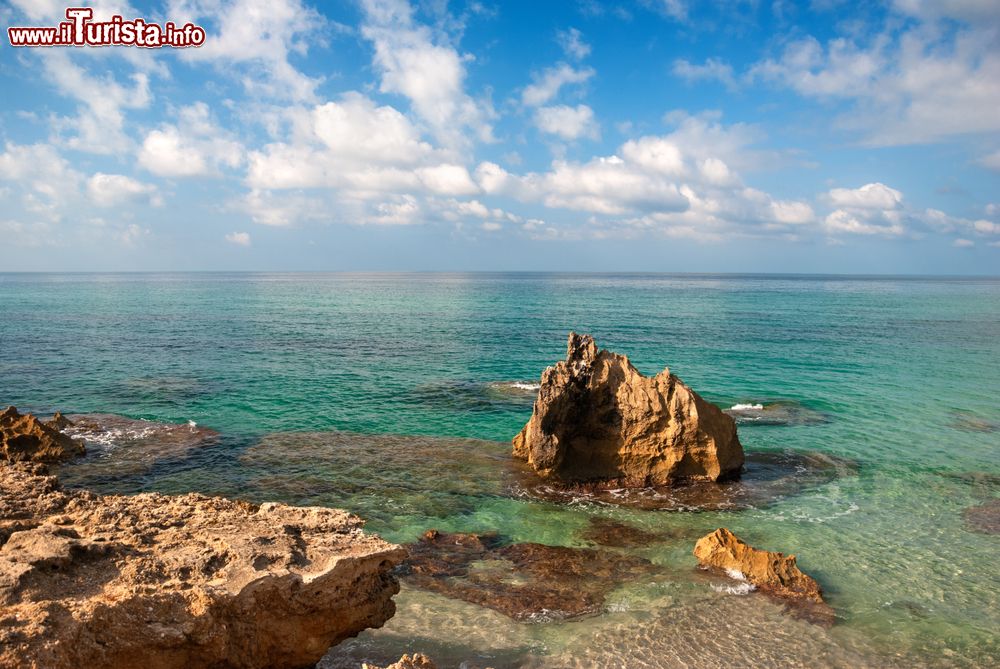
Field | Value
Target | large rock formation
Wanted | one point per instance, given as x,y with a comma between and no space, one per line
597,418
774,573
27,439
179,582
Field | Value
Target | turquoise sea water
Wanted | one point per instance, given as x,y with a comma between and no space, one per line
902,375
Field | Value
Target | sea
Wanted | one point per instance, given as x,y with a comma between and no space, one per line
868,407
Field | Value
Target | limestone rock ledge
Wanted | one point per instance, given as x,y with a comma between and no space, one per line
162,582
597,418
24,438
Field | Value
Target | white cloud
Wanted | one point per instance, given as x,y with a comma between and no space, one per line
98,126
546,85
872,209
567,122
971,11
921,85
238,238
963,243
107,190
194,146
571,41
490,226
711,70
47,182
430,74
261,34
991,160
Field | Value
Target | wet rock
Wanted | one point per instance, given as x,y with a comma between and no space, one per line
767,477
780,412
164,582
415,661
25,438
984,518
769,572
598,419
608,532
528,582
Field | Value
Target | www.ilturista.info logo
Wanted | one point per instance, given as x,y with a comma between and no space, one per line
82,30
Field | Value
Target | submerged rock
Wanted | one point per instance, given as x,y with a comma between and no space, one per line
769,572
528,582
984,518
598,419
607,532
27,439
189,581
780,412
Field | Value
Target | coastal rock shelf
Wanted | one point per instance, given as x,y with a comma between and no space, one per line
597,419
162,582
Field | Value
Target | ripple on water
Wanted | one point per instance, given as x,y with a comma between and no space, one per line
778,412
119,446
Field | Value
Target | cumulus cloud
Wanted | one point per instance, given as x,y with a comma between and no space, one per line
430,74
108,190
546,84
919,85
569,123
45,180
258,35
193,146
872,209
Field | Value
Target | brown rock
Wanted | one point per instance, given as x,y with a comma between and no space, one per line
162,582
529,582
773,573
597,418
415,661
607,532
25,438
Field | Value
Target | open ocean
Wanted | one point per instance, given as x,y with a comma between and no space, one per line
316,382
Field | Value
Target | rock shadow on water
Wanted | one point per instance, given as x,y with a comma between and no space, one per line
528,582
118,446
768,476
776,412
383,476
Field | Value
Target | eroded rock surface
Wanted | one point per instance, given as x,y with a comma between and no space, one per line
415,661
157,582
771,573
529,582
597,418
24,438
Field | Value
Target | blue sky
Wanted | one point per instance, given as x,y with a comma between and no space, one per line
645,135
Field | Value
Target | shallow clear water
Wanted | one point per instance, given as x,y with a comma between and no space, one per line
900,377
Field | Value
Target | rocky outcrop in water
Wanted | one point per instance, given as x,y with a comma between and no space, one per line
24,438
529,582
415,661
162,582
772,573
597,418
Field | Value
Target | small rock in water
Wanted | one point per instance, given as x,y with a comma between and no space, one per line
528,582
772,573
970,422
597,419
415,661
780,412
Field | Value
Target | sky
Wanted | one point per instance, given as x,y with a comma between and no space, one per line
565,135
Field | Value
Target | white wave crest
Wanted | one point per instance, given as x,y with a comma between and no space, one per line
747,407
